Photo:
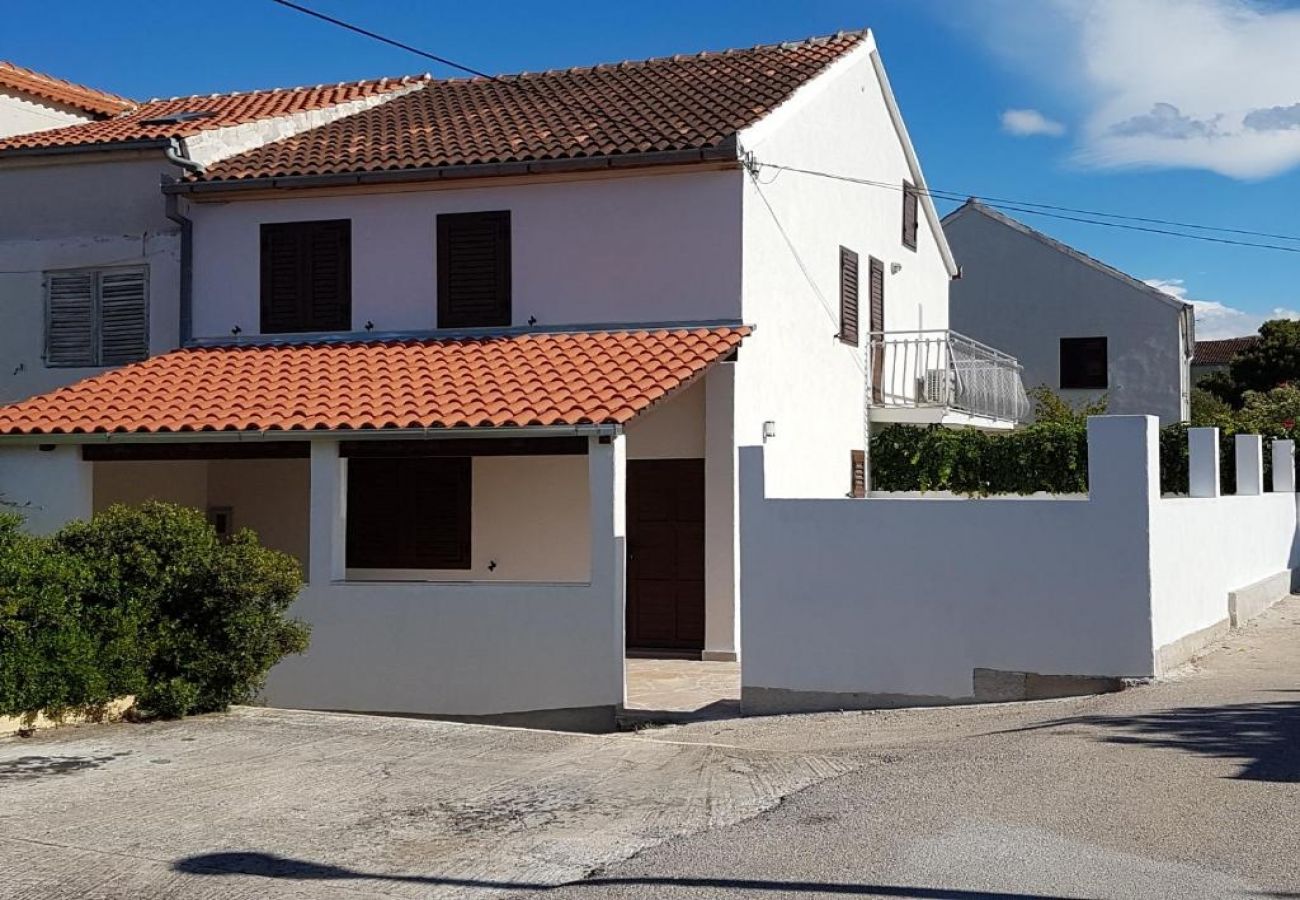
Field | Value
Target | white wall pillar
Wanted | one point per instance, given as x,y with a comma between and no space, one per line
48,488
1124,459
1284,467
607,474
328,516
1250,464
721,615
1203,462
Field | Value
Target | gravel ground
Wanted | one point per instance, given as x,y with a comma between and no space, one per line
1187,788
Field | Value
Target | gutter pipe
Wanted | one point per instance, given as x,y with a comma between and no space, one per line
175,153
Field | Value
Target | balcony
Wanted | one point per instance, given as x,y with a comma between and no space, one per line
940,377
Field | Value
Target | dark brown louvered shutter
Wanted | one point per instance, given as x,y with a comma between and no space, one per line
474,270
876,300
857,474
306,276
848,296
909,215
409,513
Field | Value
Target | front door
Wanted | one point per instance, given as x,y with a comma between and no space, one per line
665,554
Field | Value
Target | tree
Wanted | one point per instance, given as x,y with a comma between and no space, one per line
1269,362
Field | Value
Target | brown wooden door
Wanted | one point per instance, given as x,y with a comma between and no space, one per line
876,298
665,554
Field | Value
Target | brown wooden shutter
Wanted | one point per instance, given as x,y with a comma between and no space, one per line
307,276
876,314
474,270
123,316
909,215
848,296
857,474
70,319
409,513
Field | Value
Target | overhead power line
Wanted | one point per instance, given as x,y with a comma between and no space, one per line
1041,209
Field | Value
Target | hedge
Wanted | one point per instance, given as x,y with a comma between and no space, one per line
1045,457
141,600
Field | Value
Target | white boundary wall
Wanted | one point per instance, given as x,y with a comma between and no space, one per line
884,602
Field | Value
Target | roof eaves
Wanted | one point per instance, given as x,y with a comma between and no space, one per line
70,149
1155,293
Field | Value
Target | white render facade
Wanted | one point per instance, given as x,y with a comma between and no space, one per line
1026,293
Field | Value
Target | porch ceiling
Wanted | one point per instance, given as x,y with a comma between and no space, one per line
502,381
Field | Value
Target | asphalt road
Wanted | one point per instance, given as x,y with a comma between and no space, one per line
1187,789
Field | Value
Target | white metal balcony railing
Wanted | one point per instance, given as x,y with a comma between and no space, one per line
942,369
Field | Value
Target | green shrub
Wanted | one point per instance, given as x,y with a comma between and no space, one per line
141,600
215,610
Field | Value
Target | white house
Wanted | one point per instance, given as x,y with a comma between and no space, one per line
481,355
1075,324
33,101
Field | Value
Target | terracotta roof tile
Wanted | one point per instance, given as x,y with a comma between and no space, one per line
673,103
598,377
1221,352
222,110
57,90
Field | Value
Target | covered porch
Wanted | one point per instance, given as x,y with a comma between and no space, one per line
453,570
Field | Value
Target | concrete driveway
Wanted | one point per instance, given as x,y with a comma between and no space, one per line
1189,788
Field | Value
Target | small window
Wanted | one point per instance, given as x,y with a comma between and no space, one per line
910,196
96,317
848,296
857,474
474,270
1083,363
307,276
409,513
222,520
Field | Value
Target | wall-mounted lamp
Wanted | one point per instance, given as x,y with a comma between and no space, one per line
769,430
895,268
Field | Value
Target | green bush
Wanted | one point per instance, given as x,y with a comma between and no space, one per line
141,600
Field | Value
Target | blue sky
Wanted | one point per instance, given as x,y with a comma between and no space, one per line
1129,120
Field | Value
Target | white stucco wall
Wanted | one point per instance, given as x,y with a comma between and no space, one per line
1022,296
793,371
70,216
909,596
47,487
622,249
23,114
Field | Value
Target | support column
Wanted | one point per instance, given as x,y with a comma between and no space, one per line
49,487
1250,464
721,615
328,515
1203,462
1284,467
607,491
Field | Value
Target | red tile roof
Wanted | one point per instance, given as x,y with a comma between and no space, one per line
1221,352
598,377
224,109
65,93
673,103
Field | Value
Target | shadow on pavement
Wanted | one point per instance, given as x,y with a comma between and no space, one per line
1264,736
268,865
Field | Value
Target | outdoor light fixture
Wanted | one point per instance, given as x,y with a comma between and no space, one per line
769,430
895,268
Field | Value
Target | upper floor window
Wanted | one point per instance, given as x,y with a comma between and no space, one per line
307,276
97,317
910,196
474,270
848,296
1083,362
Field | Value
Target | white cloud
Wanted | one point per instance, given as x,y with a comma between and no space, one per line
1203,84
1216,320
1028,122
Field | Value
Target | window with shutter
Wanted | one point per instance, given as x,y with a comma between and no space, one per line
857,474
306,276
96,317
848,296
474,270
876,318
909,215
409,512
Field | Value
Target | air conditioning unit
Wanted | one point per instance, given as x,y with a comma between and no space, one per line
937,388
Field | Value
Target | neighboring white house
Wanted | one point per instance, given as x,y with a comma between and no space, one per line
1075,324
91,253
33,101
481,355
